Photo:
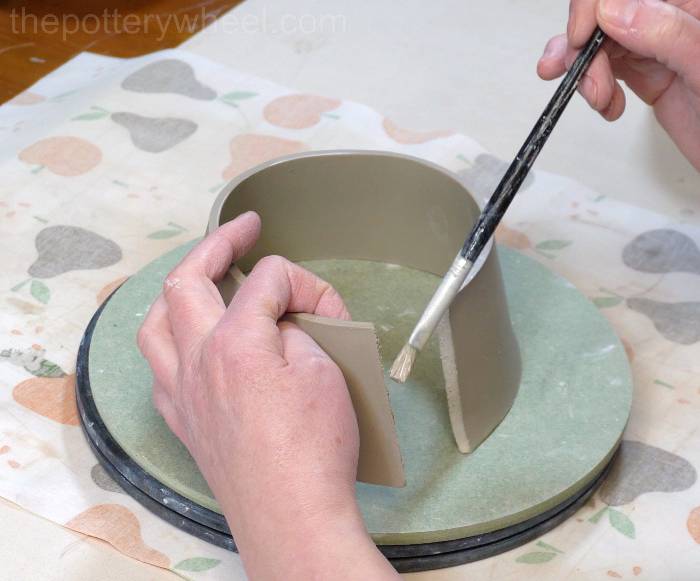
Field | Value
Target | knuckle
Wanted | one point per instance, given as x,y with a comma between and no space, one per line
173,280
272,261
323,367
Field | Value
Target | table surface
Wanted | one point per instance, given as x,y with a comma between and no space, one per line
447,64
37,36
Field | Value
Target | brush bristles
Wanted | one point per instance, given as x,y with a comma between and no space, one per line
403,363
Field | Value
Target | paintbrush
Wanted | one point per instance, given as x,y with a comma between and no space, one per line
493,212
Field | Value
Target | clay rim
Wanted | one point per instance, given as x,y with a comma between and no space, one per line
215,214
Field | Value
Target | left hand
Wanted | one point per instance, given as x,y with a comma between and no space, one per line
263,410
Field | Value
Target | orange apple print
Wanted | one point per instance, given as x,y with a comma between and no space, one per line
693,524
251,149
512,238
64,155
117,525
109,288
408,137
26,98
51,397
298,111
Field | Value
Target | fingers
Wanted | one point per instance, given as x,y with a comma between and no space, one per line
552,63
655,29
655,38
194,304
598,86
582,22
156,342
616,106
276,286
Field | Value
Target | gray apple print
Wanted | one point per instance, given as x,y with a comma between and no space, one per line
103,480
662,251
65,248
678,322
168,76
155,134
641,468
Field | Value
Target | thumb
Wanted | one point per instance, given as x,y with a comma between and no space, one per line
654,29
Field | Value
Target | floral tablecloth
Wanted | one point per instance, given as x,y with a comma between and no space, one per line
108,163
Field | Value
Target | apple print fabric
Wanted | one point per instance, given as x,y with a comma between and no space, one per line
107,164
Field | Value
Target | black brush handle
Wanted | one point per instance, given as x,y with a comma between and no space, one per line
517,171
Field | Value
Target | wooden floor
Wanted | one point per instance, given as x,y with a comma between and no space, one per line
36,36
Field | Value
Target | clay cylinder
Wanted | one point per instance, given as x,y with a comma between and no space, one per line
392,208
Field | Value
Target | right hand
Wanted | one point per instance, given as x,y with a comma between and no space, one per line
654,48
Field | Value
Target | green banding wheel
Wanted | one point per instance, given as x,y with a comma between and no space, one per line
548,453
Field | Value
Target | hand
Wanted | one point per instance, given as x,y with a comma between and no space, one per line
654,48
263,410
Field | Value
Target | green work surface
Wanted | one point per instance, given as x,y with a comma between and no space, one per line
572,407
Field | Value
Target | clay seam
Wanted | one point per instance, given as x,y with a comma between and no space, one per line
451,376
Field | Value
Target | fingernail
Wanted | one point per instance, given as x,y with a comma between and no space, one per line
619,13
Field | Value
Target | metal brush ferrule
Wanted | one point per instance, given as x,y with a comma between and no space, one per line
440,302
